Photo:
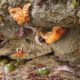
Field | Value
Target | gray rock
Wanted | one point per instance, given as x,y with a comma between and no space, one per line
29,46
52,12
45,14
68,47
27,72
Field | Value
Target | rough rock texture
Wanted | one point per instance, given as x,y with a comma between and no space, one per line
46,13
27,72
29,46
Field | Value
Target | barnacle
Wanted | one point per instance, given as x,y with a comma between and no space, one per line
54,35
20,15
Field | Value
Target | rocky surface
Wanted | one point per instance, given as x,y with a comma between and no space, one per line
68,46
27,72
53,12
30,47
45,14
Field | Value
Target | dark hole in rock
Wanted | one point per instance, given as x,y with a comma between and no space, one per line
1,41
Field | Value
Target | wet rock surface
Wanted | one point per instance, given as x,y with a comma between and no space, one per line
45,14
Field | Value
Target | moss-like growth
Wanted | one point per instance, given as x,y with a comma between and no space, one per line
74,3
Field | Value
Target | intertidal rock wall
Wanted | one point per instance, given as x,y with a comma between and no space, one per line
45,14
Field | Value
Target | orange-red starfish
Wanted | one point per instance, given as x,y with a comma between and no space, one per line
54,35
21,16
